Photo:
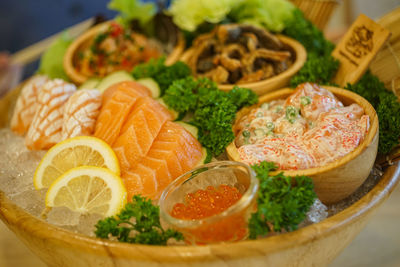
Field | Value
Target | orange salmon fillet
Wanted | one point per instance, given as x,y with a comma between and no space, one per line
26,105
118,101
174,152
45,130
139,131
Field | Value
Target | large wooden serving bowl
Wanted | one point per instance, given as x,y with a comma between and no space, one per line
83,41
340,178
314,245
279,81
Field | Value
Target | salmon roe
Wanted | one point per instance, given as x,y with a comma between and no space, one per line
206,203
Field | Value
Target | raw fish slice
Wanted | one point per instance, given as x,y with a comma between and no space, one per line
45,130
26,105
183,142
140,180
117,104
80,113
127,87
139,131
173,163
146,104
174,151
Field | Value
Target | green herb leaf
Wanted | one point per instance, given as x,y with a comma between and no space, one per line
139,223
282,202
387,107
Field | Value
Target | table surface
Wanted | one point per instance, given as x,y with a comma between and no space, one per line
377,245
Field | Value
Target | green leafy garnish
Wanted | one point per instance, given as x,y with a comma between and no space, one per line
313,40
270,14
133,10
387,107
282,202
317,69
162,74
138,223
213,110
51,62
320,66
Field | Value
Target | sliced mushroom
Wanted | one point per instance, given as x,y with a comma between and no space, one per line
230,64
218,75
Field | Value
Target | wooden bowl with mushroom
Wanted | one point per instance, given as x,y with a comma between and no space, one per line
247,56
334,179
95,54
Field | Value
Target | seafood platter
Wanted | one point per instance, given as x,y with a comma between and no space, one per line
222,146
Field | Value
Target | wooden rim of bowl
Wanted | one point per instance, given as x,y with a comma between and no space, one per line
15,217
77,77
349,97
300,58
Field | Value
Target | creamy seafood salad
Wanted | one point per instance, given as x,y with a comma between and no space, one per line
308,129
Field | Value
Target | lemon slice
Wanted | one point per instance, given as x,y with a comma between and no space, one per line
88,189
71,153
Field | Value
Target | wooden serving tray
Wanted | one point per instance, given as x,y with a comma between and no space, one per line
316,245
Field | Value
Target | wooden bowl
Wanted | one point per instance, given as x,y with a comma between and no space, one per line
340,178
314,245
279,81
84,40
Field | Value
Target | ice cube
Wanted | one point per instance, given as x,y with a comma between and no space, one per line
63,216
317,212
31,200
87,223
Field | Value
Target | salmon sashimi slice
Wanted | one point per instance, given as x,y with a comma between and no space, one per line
172,160
80,113
45,129
186,147
140,180
146,104
117,104
26,105
139,131
127,87
173,152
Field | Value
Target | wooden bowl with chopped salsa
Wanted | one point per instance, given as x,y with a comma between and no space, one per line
109,47
247,56
329,134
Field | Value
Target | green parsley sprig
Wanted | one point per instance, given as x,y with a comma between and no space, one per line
138,223
282,202
213,110
162,74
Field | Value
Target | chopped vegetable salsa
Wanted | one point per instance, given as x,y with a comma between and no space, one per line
116,49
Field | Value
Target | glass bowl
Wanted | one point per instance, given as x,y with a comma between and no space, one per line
228,226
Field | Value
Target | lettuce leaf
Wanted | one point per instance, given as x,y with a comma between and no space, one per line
270,14
51,62
133,9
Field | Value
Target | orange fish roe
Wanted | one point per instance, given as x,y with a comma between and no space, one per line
206,203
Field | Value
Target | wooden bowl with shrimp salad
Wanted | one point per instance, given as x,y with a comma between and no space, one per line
247,56
81,61
337,179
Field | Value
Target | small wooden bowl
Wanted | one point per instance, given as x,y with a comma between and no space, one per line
279,81
85,39
338,179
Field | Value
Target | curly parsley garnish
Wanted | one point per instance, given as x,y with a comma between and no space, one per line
282,202
138,223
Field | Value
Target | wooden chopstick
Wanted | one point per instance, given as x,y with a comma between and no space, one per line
33,52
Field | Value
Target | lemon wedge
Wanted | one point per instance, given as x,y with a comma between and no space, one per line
88,189
71,153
